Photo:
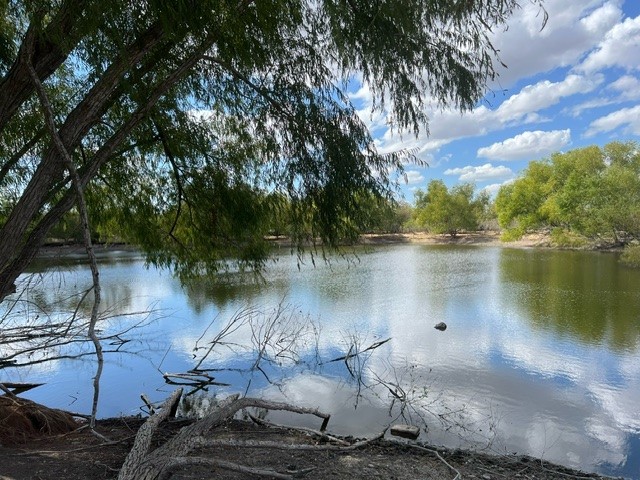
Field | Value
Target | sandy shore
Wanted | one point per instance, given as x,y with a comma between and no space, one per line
476,238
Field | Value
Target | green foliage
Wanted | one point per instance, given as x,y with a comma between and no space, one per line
566,238
631,256
512,234
591,192
200,127
382,215
441,210
521,205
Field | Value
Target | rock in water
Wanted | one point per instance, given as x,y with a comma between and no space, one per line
441,326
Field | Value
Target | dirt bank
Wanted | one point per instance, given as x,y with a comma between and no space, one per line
81,455
476,238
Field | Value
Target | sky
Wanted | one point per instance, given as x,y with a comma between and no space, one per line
572,84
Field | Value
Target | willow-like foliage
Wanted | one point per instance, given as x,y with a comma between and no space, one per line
196,126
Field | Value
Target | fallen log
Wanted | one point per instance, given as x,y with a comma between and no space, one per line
159,464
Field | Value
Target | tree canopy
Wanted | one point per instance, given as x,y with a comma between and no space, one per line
192,124
590,191
443,210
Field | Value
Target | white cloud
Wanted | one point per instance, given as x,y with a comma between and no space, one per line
527,145
522,108
493,188
573,29
480,173
625,88
628,86
414,177
544,94
620,48
629,117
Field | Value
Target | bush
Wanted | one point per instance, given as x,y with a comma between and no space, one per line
566,238
512,234
631,256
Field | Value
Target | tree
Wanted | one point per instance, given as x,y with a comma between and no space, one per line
187,123
179,116
448,211
619,195
591,191
521,205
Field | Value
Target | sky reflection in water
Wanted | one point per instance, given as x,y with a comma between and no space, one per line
540,356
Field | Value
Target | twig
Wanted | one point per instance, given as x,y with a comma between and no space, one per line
349,355
317,433
7,391
437,454
568,475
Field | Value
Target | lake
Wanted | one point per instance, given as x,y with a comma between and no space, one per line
541,355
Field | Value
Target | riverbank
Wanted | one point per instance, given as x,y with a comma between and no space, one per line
488,238
82,455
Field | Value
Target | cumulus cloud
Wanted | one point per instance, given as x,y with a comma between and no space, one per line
628,86
480,173
527,145
629,118
620,48
524,107
624,89
544,94
573,29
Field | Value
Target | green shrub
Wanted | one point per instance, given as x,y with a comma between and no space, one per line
566,238
512,234
631,256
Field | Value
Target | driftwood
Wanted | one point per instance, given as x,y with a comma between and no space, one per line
143,464
17,388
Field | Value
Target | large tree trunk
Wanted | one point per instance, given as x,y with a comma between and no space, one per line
49,52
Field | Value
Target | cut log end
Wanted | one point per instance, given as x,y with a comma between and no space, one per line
405,431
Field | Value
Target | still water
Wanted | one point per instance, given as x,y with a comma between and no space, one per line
541,355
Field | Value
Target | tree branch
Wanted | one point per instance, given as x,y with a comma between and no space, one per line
84,215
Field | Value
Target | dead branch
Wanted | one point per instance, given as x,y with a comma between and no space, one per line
142,464
437,454
84,215
349,355
214,462
13,389
317,433
142,442
288,446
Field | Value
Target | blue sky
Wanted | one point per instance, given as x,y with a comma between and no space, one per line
573,84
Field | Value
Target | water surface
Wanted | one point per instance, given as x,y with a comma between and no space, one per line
541,355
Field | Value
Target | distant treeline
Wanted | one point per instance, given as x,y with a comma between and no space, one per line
584,196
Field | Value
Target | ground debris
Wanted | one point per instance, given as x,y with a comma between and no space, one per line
80,455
